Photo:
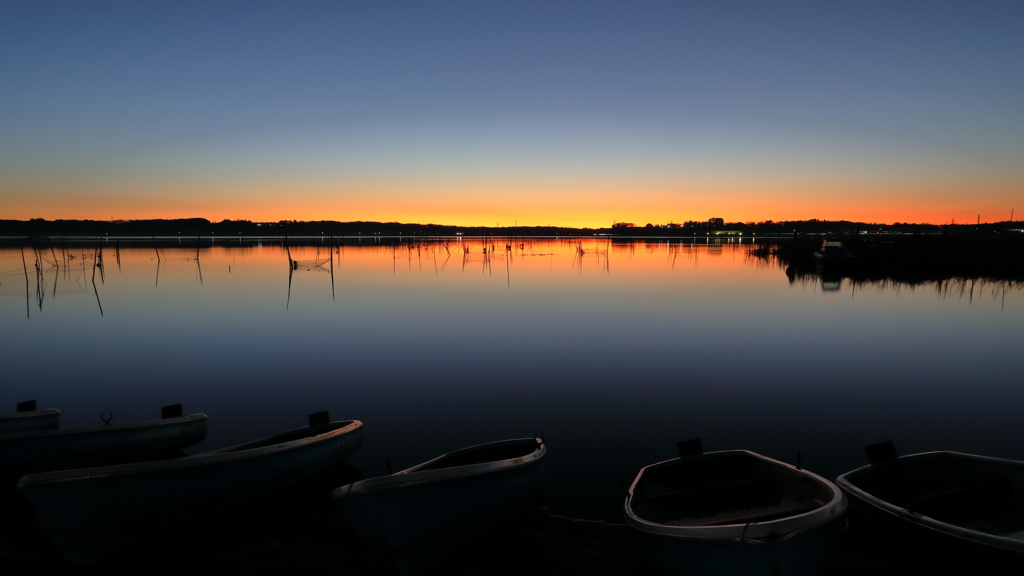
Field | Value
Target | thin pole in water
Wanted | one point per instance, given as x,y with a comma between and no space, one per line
52,251
24,265
95,290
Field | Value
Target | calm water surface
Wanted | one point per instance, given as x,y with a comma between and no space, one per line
613,350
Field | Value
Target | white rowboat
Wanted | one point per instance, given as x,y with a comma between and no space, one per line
733,512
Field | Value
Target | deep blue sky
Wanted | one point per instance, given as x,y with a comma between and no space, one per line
764,109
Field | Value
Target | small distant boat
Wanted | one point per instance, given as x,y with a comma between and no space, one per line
86,513
27,419
964,506
832,251
45,450
733,512
418,516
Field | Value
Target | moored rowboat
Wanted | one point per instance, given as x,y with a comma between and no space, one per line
27,418
86,513
964,506
733,512
420,515
832,251
45,450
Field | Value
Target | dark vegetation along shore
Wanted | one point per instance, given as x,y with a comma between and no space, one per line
910,260
714,227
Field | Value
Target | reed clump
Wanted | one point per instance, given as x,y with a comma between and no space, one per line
907,259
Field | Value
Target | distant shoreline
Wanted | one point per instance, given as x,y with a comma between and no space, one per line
714,228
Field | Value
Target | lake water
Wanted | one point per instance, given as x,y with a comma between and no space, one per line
614,351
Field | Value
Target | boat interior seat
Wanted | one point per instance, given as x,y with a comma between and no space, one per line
1015,534
984,504
981,492
999,521
758,514
712,498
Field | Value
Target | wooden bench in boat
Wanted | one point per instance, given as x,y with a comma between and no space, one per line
983,504
1004,522
759,514
716,490
984,491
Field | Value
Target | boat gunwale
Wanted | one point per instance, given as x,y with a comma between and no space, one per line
104,428
775,531
415,476
239,448
924,521
29,414
203,459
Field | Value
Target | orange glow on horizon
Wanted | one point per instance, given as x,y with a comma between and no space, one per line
524,203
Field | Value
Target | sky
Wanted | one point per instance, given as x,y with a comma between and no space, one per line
504,113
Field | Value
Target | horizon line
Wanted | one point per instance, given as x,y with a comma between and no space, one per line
715,221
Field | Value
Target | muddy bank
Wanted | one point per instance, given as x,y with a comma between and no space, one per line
302,533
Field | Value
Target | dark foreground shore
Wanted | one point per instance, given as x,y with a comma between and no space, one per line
302,533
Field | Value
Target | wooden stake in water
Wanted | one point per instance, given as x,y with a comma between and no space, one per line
94,289
25,266
52,251
288,302
98,263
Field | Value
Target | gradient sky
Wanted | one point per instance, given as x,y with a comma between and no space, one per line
566,113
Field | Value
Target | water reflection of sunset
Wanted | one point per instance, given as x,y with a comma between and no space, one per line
669,338
503,262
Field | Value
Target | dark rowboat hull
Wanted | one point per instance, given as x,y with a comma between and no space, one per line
29,421
802,555
962,506
46,450
417,517
86,513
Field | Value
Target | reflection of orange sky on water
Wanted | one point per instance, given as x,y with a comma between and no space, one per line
614,279
429,265
442,264
460,275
